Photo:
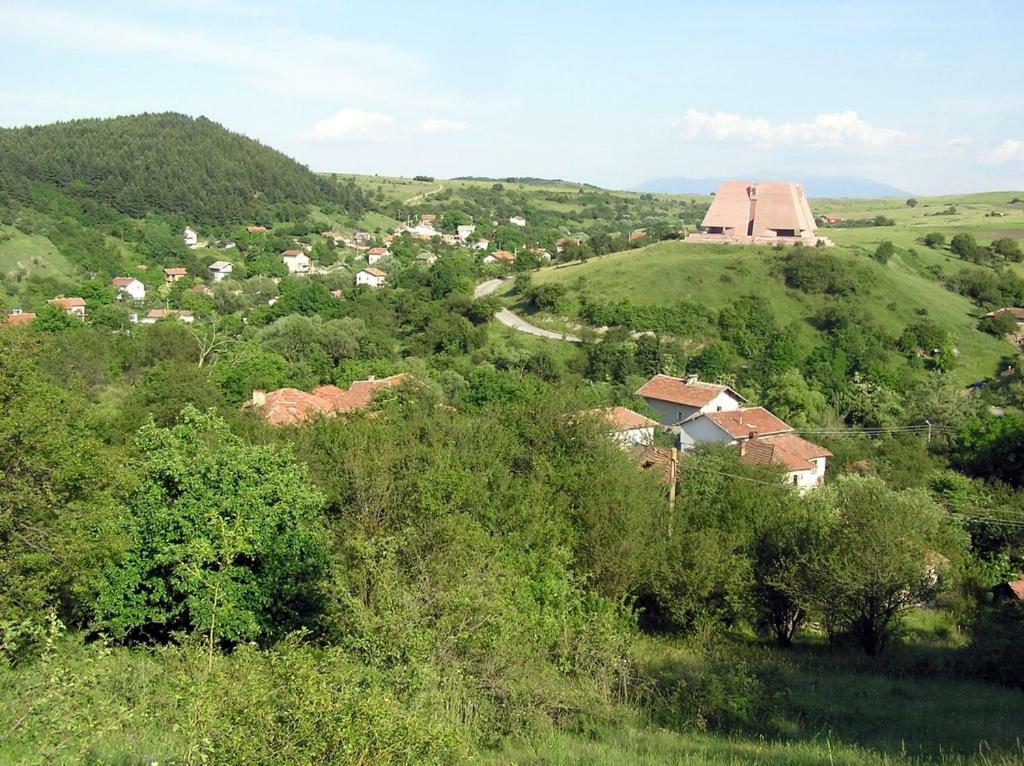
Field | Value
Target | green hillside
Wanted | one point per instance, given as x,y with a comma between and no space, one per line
163,163
713,276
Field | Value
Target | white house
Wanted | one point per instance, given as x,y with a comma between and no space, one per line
129,286
464,232
763,439
191,238
427,258
175,274
481,244
156,315
626,427
517,220
374,254
676,399
499,256
296,260
220,269
75,306
422,231
371,277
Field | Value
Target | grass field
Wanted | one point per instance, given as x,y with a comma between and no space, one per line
715,275
31,254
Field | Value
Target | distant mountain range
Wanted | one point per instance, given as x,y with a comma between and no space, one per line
814,186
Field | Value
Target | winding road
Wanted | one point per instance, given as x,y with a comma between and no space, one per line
514,321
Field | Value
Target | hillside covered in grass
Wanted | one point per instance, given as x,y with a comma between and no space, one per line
161,163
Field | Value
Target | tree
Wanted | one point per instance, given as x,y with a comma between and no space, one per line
935,239
884,251
224,540
965,246
884,553
912,202
1000,324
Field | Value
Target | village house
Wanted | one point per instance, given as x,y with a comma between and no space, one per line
517,220
637,234
422,231
155,315
374,254
371,277
256,229
1008,592
75,306
481,244
172,275
763,213
220,269
763,439
191,238
541,253
676,399
360,237
290,406
830,219
129,286
296,260
426,258
1015,312
429,219
464,232
202,290
17,317
565,242
502,256
626,427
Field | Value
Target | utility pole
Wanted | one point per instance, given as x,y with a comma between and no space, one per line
929,431
672,489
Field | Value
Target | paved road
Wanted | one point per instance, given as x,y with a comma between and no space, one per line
514,321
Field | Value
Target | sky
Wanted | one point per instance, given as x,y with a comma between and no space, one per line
926,96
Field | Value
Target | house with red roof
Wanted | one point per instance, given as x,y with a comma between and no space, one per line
502,256
371,277
297,261
17,317
290,406
74,306
129,286
172,275
676,399
374,254
625,426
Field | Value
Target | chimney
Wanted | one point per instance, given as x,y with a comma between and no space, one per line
371,378
691,379
259,398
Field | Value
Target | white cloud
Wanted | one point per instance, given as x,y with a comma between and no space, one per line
835,130
352,124
442,125
1008,151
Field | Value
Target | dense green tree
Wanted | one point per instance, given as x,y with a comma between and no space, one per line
224,540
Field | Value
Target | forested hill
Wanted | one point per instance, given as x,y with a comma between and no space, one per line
163,163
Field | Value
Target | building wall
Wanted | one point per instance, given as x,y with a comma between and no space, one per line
702,431
298,264
670,413
634,436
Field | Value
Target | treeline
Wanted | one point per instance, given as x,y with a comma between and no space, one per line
163,163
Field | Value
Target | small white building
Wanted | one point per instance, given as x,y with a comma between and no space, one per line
297,261
374,254
464,232
371,277
422,231
676,399
155,315
500,256
481,244
129,286
75,306
220,270
191,238
804,461
517,220
624,426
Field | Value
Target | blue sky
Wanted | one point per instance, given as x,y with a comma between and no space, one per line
926,96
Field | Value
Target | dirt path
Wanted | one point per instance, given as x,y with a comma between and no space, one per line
514,321
417,197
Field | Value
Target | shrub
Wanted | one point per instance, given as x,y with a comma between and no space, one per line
935,239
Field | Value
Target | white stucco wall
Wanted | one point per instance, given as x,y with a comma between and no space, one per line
634,436
702,431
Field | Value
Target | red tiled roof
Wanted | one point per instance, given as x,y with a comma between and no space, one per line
677,390
1017,586
164,313
68,303
377,251
176,271
656,458
785,449
622,418
740,424
503,255
291,253
256,229
200,289
374,272
287,406
122,281
23,318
